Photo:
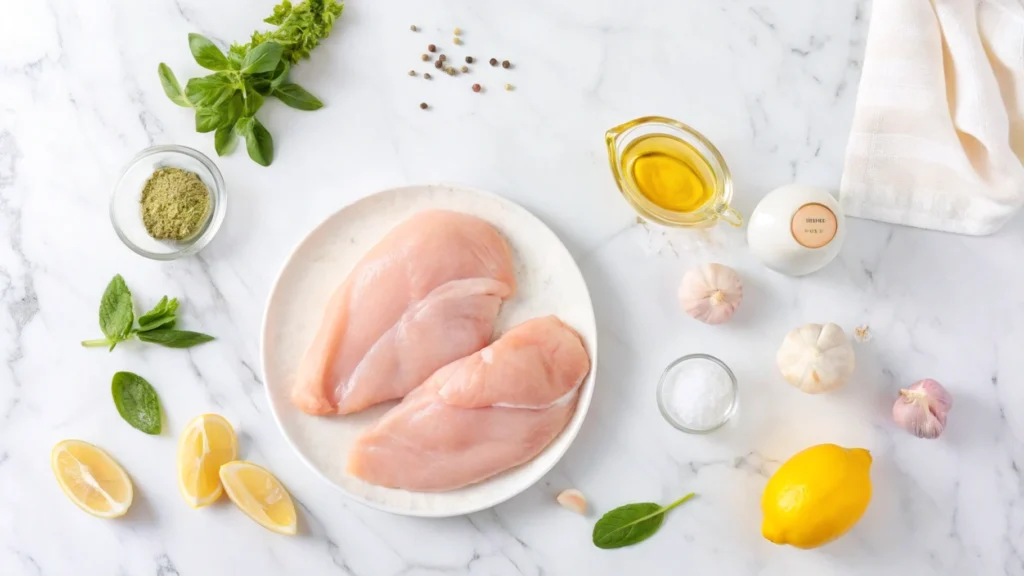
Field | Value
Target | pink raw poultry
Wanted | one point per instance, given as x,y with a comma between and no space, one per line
426,294
480,415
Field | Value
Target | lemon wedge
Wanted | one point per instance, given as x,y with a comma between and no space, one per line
93,480
260,495
207,443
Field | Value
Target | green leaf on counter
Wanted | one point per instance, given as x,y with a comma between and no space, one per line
263,58
258,141
172,338
164,313
280,75
252,101
136,402
206,53
224,140
254,69
208,119
116,314
281,13
210,91
171,86
297,97
234,108
631,524
117,320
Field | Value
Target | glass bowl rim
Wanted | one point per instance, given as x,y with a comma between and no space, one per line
720,209
662,382
217,196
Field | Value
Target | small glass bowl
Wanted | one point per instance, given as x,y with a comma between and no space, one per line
665,387
126,212
618,140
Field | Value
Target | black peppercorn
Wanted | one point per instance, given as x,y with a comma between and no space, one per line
506,64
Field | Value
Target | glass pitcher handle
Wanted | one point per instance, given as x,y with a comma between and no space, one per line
731,216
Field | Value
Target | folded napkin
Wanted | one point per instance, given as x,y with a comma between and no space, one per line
938,131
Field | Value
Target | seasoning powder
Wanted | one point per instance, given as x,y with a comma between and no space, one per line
175,204
700,394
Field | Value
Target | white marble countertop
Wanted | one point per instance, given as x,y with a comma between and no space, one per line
772,83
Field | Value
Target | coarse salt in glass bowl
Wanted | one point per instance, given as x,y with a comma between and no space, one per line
126,210
684,406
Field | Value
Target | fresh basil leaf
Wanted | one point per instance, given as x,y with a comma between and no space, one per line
116,312
262,86
136,402
258,142
280,75
263,58
206,53
209,119
171,86
252,102
631,524
156,311
157,323
297,97
162,314
208,91
224,140
236,55
233,109
172,338
281,13
244,125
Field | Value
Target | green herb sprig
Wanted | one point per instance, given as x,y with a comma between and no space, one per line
117,321
137,402
226,101
632,523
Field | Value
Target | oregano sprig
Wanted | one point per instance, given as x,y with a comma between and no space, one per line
226,101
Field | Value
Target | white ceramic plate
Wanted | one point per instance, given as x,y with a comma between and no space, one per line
549,283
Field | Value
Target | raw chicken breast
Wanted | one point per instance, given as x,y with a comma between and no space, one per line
436,273
480,415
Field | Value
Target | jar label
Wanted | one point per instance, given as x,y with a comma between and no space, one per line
814,225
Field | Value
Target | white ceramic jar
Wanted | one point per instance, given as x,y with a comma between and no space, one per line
797,229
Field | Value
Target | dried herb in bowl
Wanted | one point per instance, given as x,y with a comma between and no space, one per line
175,204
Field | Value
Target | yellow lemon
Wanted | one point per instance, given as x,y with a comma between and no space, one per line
816,496
93,480
207,443
260,495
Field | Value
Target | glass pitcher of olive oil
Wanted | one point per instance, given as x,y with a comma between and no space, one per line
670,173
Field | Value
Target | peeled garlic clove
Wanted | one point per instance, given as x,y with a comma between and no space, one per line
573,499
711,293
922,408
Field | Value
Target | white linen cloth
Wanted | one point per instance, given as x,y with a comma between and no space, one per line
938,131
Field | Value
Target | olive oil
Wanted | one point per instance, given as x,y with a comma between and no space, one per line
669,172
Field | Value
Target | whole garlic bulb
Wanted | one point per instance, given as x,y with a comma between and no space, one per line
921,409
816,358
711,293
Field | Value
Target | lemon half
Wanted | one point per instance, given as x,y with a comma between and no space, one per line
207,443
260,495
93,480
